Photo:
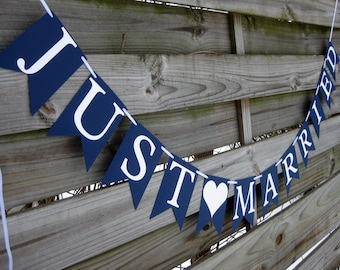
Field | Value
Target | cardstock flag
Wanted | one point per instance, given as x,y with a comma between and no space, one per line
176,189
93,114
290,167
326,86
47,53
305,142
136,160
331,59
213,203
316,114
269,187
244,201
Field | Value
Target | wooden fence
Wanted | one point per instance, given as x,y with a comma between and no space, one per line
199,78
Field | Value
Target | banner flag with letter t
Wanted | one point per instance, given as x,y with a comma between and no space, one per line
136,160
176,189
47,53
93,114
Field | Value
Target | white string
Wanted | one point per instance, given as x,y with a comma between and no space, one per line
46,8
167,152
257,177
89,67
128,115
278,163
333,21
232,182
202,174
4,226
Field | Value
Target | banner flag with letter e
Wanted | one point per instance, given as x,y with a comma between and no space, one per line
47,53
93,114
176,189
213,203
136,160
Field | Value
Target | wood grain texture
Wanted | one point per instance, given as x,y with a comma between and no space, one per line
178,245
122,26
99,221
136,28
154,83
277,243
313,12
325,256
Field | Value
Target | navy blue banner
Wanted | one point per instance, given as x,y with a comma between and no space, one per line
213,203
290,166
176,189
305,142
93,114
47,53
135,160
331,59
326,86
244,201
316,114
269,187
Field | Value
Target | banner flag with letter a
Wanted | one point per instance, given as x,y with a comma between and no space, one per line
47,53
136,160
93,114
213,203
269,187
176,189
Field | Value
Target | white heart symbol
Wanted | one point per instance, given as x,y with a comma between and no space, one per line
214,196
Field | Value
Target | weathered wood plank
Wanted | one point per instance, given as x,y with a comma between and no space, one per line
272,36
130,27
283,111
122,26
277,243
158,83
168,247
97,221
325,256
313,12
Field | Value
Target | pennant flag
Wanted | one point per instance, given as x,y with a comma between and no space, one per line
317,114
176,189
290,167
326,86
136,159
331,59
213,203
269,187
305,141
47,53
93,114
244,201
